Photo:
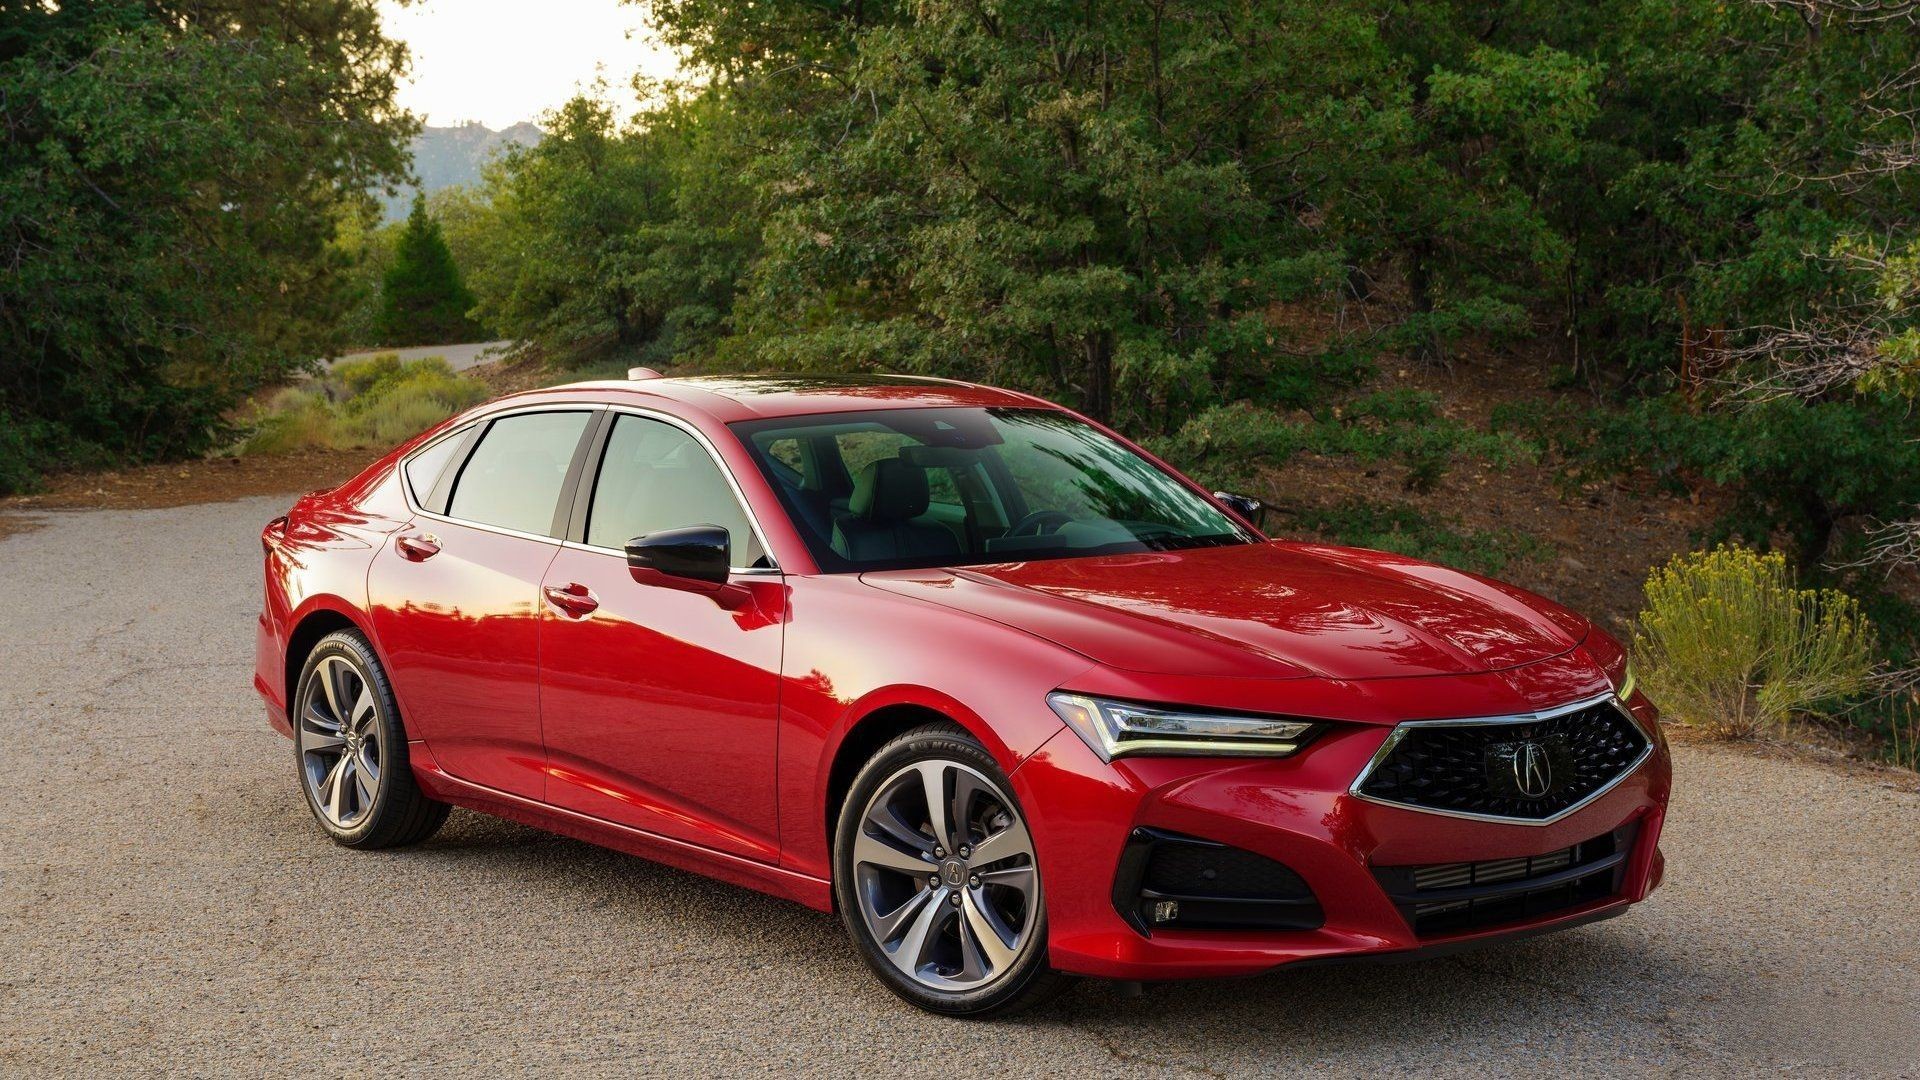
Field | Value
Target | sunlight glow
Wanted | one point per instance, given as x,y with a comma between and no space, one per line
504,61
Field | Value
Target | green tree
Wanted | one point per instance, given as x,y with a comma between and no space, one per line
615,239
422,299
1098,202
172,177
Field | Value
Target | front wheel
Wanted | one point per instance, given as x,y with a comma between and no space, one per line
936,879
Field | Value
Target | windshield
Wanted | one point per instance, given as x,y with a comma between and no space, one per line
951,487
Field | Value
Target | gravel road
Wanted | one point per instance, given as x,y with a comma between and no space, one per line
167,905
458,357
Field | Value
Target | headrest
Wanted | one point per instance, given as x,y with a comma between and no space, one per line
889,490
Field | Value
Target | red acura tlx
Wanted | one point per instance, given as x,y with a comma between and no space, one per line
1013,697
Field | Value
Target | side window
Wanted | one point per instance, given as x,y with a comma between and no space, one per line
513,478
425,467
655,476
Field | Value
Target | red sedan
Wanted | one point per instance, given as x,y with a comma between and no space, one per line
1013,697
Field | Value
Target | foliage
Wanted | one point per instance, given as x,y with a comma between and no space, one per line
1795,468
364,248
376,402
1729,644
422,298
185,185
605,239
1407,531
1903,734
172,175
1228,446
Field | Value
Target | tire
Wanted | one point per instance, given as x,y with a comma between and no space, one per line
917,912
356,776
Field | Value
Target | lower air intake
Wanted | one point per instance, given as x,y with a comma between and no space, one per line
1174,882
1448,898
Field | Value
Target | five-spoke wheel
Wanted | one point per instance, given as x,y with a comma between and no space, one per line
945,875
339,742
352,750
937,878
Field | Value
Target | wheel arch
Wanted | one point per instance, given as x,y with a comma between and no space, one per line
879,722
317,621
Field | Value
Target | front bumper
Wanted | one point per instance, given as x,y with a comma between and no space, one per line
1296,811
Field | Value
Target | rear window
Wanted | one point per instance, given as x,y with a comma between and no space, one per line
513,478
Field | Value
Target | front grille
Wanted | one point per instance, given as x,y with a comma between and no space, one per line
1170,881
1531,770
1448,898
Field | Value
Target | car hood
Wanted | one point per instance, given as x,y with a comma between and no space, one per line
1272,610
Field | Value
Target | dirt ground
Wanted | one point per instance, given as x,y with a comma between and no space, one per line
185,483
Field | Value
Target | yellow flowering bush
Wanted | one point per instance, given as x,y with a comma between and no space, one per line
1729,644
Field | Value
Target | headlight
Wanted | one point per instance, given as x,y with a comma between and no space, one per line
1627,683
1119,728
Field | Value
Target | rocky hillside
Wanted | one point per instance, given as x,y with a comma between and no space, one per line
448,156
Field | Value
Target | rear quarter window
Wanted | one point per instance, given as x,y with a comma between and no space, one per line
424,468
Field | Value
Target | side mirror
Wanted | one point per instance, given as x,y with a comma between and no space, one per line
695,553
1252,510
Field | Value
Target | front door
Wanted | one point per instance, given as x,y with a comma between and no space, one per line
660,704
455,602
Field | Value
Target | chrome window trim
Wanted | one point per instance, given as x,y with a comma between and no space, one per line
406,493
1400,731
720,463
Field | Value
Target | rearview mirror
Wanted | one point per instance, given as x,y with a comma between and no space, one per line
696,553
1249,508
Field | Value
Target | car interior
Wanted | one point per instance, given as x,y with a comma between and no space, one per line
878,491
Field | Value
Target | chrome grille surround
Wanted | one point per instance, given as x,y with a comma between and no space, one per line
1403,730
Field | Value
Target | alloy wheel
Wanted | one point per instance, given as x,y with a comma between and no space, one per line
340,744
945,876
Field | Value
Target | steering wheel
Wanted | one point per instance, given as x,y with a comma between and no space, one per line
1040,523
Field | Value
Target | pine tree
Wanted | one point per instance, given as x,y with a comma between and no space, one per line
423,301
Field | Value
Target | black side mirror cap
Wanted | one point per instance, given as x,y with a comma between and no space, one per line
1252,510
695,553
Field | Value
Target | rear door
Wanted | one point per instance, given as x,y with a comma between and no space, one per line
456,596
660,705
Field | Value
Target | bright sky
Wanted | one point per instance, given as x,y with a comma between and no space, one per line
503,61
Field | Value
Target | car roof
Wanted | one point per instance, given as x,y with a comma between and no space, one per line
731,398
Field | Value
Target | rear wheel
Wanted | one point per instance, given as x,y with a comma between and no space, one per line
936,879
352,751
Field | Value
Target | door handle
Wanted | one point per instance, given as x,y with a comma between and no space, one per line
418,548
575,599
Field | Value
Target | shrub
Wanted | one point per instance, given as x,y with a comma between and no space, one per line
1228,445
376,402
1902,745
1729,644
1405,530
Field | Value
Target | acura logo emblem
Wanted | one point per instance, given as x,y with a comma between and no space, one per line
1532,769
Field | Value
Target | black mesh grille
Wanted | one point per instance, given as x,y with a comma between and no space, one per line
1194,869
1448,898
1169,881
1531,770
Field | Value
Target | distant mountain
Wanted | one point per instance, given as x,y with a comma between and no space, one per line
446,156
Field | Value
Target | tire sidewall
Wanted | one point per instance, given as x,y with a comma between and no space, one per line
351,646
916,746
